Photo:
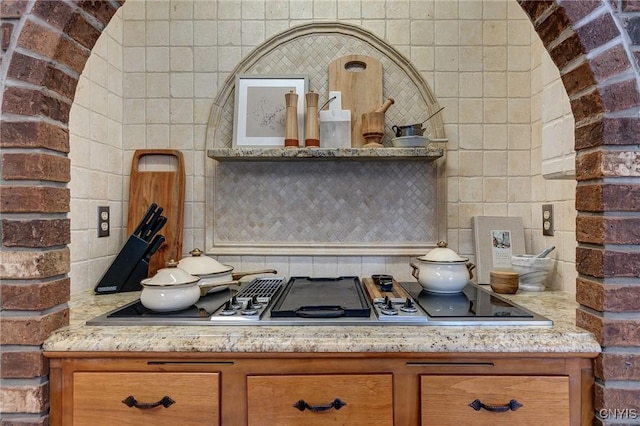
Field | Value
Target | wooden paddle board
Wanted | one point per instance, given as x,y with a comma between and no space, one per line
374,292
359,78
159,178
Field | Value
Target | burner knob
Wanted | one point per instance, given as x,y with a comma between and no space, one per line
408,306
388,308
235,304
255,303
249,309
228,309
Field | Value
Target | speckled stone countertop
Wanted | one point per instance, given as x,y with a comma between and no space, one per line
562,337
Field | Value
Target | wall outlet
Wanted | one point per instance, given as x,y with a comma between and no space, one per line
104,221
547,219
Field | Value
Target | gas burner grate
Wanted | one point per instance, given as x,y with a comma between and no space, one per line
262,288
251,301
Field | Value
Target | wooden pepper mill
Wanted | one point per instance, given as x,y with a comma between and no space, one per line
291,120
311,125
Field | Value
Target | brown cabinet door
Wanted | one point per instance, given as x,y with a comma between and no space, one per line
98,399
317,400
449,400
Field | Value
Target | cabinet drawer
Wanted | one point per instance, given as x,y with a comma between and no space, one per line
368,398
445,400
97,398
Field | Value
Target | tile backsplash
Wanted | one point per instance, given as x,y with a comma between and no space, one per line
152,76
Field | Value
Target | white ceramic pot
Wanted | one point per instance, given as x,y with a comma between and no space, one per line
171,289
442,270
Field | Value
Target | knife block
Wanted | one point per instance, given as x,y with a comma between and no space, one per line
116,279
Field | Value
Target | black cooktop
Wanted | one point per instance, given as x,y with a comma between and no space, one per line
331,301
203,308
473,302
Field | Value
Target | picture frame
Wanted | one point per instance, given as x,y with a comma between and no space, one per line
496,239
260,109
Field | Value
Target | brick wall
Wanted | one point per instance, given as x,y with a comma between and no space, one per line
600,74
45,45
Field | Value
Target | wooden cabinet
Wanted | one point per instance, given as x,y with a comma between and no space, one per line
342,399
495,400
145,398
404,389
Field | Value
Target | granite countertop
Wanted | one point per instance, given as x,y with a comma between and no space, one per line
563,337
430,153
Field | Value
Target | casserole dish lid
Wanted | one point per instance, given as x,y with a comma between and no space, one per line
170,276
198,264
443,254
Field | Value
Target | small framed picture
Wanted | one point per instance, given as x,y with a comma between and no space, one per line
260,109
496,239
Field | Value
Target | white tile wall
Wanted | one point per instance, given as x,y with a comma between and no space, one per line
96,138
151,78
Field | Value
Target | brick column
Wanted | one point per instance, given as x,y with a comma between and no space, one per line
601,80
54,39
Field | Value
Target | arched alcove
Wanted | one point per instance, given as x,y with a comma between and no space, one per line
297,51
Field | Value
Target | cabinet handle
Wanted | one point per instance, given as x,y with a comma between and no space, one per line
512,405
336,403
130,401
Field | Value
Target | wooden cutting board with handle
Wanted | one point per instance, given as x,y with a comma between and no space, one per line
359,78
160,179
374,292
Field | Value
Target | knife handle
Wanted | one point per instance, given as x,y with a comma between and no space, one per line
150,224
158,240
145,218
157,226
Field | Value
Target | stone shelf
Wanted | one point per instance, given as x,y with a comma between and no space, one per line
426,154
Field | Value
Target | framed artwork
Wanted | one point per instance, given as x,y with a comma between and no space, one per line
496,239
260,109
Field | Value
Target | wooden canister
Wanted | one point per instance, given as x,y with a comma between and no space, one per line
311,125
291,120
372,122
373,129
503,281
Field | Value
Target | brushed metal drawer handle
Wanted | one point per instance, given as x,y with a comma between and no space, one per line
512,405
336,403
130,401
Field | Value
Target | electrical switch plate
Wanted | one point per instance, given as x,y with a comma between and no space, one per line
104,224
547,219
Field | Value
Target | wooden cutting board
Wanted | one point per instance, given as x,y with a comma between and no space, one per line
164,185
374,292
359,78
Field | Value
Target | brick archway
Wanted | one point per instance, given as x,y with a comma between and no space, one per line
45,45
